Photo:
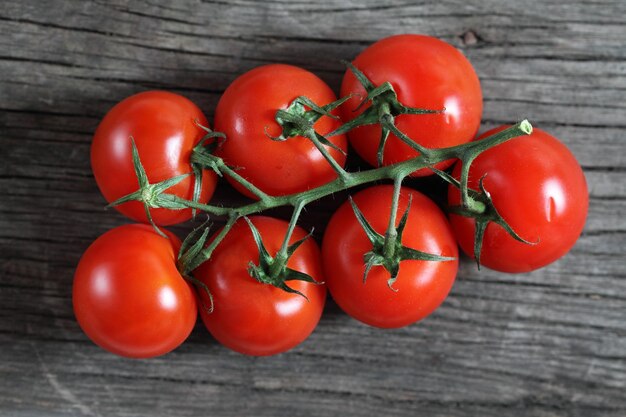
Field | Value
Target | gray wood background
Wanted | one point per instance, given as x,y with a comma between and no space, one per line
549,343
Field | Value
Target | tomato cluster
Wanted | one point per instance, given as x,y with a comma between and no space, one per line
389,255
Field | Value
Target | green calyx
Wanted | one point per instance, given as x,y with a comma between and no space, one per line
297,121
191,247
274,270
151,195
384,107
388,251
198,163
482,210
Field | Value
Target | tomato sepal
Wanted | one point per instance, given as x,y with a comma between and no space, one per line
151,195
483,211
384,107
297,121
273,270
192,245
388,251
197,167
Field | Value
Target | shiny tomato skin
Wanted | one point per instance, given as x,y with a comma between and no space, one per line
427,73
421,285
246,112
128,295
164,129
539,189
254,318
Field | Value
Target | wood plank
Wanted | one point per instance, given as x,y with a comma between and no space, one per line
549,343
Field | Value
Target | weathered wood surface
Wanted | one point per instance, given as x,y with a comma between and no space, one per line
550,343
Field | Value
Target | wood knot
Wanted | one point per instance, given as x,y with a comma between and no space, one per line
469,38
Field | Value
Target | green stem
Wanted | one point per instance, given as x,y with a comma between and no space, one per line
292,224
474,148
244,182
280,260
354,179
392,234
388,122
466,200
397,172
343,174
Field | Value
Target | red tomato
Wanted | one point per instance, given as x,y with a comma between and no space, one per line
128,296
421,285
425,73
255,318
163,126
246,111
539,189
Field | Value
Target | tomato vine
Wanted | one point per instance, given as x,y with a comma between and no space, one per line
297,121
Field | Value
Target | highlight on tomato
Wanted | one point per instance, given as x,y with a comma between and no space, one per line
539,189
260,318
420,287
165,128
425,73
128,295
290,163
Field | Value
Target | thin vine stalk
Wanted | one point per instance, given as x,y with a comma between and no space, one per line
354,179
466,153
297,123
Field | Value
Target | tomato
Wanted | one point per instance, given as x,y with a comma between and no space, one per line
246,112
255,318
426,73
421,285
539,189
128,295
164,129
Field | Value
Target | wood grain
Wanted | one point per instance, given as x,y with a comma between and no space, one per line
549,343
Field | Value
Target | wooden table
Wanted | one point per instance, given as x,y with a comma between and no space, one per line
549,343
